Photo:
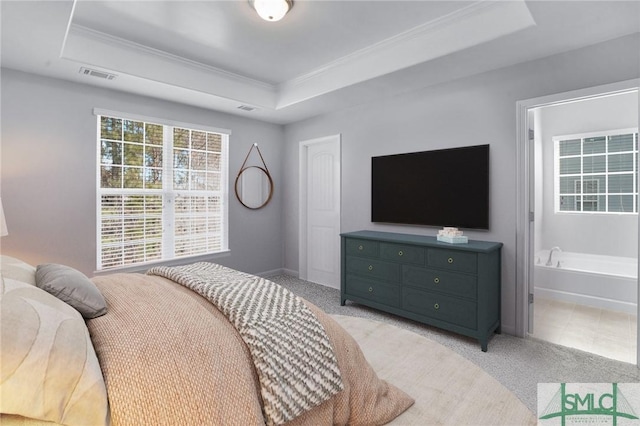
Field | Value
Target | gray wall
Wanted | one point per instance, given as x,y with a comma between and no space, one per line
49,172
476,110
606,234
49,158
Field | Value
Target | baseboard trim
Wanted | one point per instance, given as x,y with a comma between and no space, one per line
508,329
270,273
582,299
280,271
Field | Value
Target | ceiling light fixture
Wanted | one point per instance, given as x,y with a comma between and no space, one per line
272,10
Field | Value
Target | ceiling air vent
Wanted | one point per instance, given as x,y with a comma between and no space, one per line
246,108
96,73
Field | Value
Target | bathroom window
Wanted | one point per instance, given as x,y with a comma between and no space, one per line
597,172
591,186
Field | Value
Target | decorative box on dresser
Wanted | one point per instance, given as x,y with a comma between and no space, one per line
455,287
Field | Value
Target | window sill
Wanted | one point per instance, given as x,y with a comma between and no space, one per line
143,267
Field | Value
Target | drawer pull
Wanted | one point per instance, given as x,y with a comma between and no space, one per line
436,306
360,247
400,253
436,280
450,260
370,289
371,267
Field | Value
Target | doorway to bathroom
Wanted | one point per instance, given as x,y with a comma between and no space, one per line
582,230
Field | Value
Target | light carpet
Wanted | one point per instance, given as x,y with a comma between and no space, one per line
448,389
518,364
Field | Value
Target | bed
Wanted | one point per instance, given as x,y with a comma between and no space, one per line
134,349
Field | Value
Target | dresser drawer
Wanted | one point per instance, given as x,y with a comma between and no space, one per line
437,306
403,253
362,248
373,268
455,287
386,294
447,282
453,259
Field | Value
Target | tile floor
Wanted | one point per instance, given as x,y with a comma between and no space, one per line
607,333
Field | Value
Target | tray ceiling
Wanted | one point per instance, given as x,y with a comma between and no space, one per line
324,55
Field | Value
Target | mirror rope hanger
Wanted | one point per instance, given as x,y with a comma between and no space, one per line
254,145
264,169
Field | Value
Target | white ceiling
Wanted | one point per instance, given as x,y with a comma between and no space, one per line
323,56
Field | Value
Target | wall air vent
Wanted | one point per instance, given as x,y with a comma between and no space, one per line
96,73
246,108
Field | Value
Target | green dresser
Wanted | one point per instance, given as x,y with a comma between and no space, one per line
455,287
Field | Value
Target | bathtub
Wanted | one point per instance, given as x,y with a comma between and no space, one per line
600,281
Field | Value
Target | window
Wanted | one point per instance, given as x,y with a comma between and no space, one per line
597,172
162,190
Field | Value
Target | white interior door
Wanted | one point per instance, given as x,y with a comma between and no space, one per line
320,211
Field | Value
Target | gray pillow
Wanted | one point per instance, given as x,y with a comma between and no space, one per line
73,287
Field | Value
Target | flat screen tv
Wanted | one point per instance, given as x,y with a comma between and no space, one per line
446,187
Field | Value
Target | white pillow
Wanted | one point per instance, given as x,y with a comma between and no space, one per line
18,270
49,368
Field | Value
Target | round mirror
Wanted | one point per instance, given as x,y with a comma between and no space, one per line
254,187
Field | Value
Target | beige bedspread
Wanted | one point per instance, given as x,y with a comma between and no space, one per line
170,357
292,355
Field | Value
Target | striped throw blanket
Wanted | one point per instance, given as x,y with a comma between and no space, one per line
294,359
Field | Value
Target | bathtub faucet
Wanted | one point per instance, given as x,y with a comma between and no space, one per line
549,263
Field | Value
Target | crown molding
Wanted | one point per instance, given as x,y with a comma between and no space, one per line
89,47
479,22
474,24
118,42
392,42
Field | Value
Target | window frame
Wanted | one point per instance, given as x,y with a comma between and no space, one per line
167,188
591,176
